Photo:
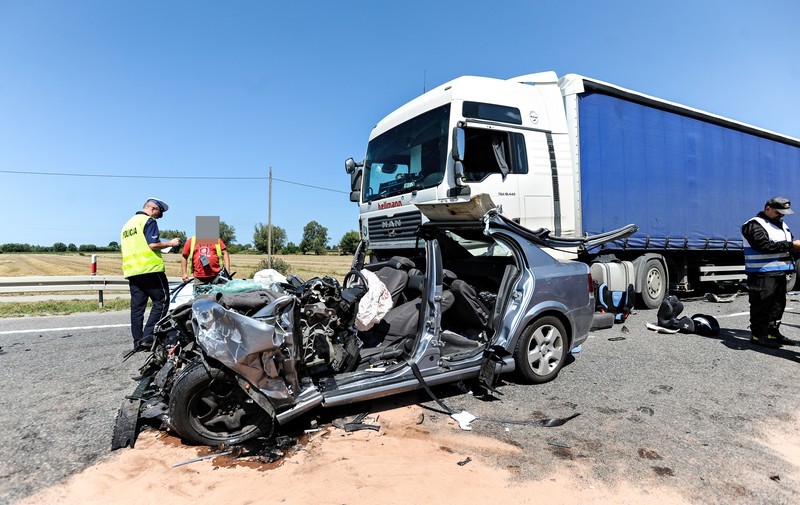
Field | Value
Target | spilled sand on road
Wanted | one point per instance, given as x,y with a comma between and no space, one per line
405,462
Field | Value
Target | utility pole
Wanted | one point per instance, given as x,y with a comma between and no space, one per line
269,221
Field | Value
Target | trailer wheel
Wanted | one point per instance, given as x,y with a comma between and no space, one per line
654,284
208,407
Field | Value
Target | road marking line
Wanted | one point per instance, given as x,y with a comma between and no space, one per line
735,314
65,329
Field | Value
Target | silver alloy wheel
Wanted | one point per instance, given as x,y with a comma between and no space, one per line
546,349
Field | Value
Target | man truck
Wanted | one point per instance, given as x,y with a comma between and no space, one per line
579,157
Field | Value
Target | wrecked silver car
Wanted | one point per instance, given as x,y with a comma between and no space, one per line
481,298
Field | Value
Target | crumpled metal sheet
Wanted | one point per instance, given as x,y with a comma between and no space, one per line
250,347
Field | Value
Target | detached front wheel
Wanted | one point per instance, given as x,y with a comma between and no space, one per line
207,407
541,350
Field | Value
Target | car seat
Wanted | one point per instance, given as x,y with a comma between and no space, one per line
394,274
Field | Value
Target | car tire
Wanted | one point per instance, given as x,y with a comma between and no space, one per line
208,407
541,350
654,284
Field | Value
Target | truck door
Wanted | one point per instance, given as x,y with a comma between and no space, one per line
539,188
494,160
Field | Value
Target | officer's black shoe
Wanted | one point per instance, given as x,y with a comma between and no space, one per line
768,341
775,332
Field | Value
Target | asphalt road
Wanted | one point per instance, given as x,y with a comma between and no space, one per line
682,411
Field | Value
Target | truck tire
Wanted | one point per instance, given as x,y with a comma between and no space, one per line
792,283
654,284
208,407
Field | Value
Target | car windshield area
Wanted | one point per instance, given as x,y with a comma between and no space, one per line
409,157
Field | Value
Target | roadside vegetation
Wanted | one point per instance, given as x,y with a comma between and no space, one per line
60,307
315,256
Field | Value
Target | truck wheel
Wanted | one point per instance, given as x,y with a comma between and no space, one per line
541,350
792,279
654,285
208,407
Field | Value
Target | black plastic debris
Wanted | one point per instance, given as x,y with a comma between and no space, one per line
464,461
355,423
545,423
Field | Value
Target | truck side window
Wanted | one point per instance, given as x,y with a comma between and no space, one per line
493,152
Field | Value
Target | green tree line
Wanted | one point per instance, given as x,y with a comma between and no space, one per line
315,241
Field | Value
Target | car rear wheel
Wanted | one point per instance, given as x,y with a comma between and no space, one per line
541,350
208,407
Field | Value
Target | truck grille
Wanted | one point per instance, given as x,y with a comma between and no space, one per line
400,226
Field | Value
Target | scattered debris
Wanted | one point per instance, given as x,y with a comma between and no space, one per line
463,419
545,423
660,329
711,297
615,339
356,423
549,423
776,478
464,461
421,418
625,329
201,458
558,443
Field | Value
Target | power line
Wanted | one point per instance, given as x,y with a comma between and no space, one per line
111,176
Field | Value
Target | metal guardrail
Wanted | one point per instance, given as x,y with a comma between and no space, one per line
45,284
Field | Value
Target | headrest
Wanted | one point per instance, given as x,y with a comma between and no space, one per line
400,263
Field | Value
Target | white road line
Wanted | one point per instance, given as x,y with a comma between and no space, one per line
12,332
735,314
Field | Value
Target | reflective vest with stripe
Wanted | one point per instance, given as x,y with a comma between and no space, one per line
191,251
137,257
763,262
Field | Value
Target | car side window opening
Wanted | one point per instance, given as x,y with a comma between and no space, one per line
491,151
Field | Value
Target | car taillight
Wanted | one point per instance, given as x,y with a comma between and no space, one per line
591,283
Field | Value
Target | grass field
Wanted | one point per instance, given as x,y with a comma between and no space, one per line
28,265
24,265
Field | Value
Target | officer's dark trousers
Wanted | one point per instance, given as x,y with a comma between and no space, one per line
152,286
767,302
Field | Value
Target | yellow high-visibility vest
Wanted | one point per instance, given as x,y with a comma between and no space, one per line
137,257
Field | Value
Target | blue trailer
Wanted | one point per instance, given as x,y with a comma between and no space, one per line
687,178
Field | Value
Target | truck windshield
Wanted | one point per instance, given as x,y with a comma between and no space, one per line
408,157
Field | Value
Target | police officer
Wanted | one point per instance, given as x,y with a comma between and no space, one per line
143,267
768,247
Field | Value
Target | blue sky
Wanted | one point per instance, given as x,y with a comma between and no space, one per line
227,89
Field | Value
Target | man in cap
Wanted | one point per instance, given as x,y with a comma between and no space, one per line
143,267
768,247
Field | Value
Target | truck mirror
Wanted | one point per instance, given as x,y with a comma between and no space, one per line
355,185
349,165
458,172
459,143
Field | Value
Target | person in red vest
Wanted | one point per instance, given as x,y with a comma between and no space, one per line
207,257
